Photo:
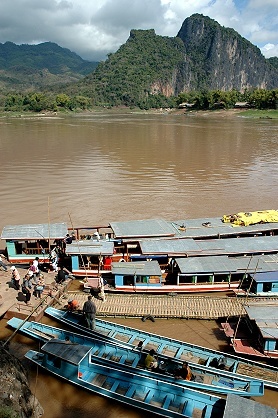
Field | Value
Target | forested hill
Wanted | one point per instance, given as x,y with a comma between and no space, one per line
40,66
147,64
203,56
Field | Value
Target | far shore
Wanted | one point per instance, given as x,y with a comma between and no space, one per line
221,113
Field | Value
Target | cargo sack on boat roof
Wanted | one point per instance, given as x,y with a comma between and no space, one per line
251,218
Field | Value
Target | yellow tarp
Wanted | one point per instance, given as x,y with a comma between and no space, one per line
252,218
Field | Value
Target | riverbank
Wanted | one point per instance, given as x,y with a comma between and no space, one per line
222,113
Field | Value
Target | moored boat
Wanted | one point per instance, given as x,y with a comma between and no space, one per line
25,242
73,363
132,360
176,349
258,335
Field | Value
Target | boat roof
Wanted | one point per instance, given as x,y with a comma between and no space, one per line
142,268
240,407
186,228
142,228
90,248
266,276
34,231
225,264
67,351
244,245
266,318
170,247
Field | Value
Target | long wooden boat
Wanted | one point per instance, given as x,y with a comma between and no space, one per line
256,333
132,360
176,349
73,363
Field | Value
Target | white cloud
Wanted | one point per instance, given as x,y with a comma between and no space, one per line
94,28
270,50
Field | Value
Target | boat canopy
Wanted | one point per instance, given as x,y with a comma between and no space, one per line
217,264
266,277
227,246
72,353
266,318
147,268
240,407
34,231
170,247
142,229
251,218
90,248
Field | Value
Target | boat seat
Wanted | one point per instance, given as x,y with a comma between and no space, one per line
99,380
140,395
115,358
197,413
158,400
129,361
122,388
177,404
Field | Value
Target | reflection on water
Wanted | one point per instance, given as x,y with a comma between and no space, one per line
102,168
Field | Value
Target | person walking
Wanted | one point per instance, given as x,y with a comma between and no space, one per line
89,311
15,278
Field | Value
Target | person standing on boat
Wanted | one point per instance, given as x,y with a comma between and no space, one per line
89,311
26,290
38,289
184,372
36,269
15,278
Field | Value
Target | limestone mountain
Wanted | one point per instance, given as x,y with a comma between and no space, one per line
219,58
39,66
203,56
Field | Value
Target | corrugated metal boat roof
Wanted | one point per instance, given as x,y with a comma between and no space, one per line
243,245
190,247
142,228
68,351
142,268
90,248
34,231
266,318
170,246
225,264
186,228
240,407
266,277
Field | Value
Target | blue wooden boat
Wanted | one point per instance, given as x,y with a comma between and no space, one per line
73,363
132,360
179,350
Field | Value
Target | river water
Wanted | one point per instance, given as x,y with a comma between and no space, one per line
95,168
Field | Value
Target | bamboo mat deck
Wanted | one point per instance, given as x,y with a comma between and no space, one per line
166,306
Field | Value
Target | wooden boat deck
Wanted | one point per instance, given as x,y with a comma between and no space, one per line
166,306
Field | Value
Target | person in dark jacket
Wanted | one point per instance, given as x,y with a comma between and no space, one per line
89,312
61,276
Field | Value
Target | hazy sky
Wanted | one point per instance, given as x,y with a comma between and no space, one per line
94,28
